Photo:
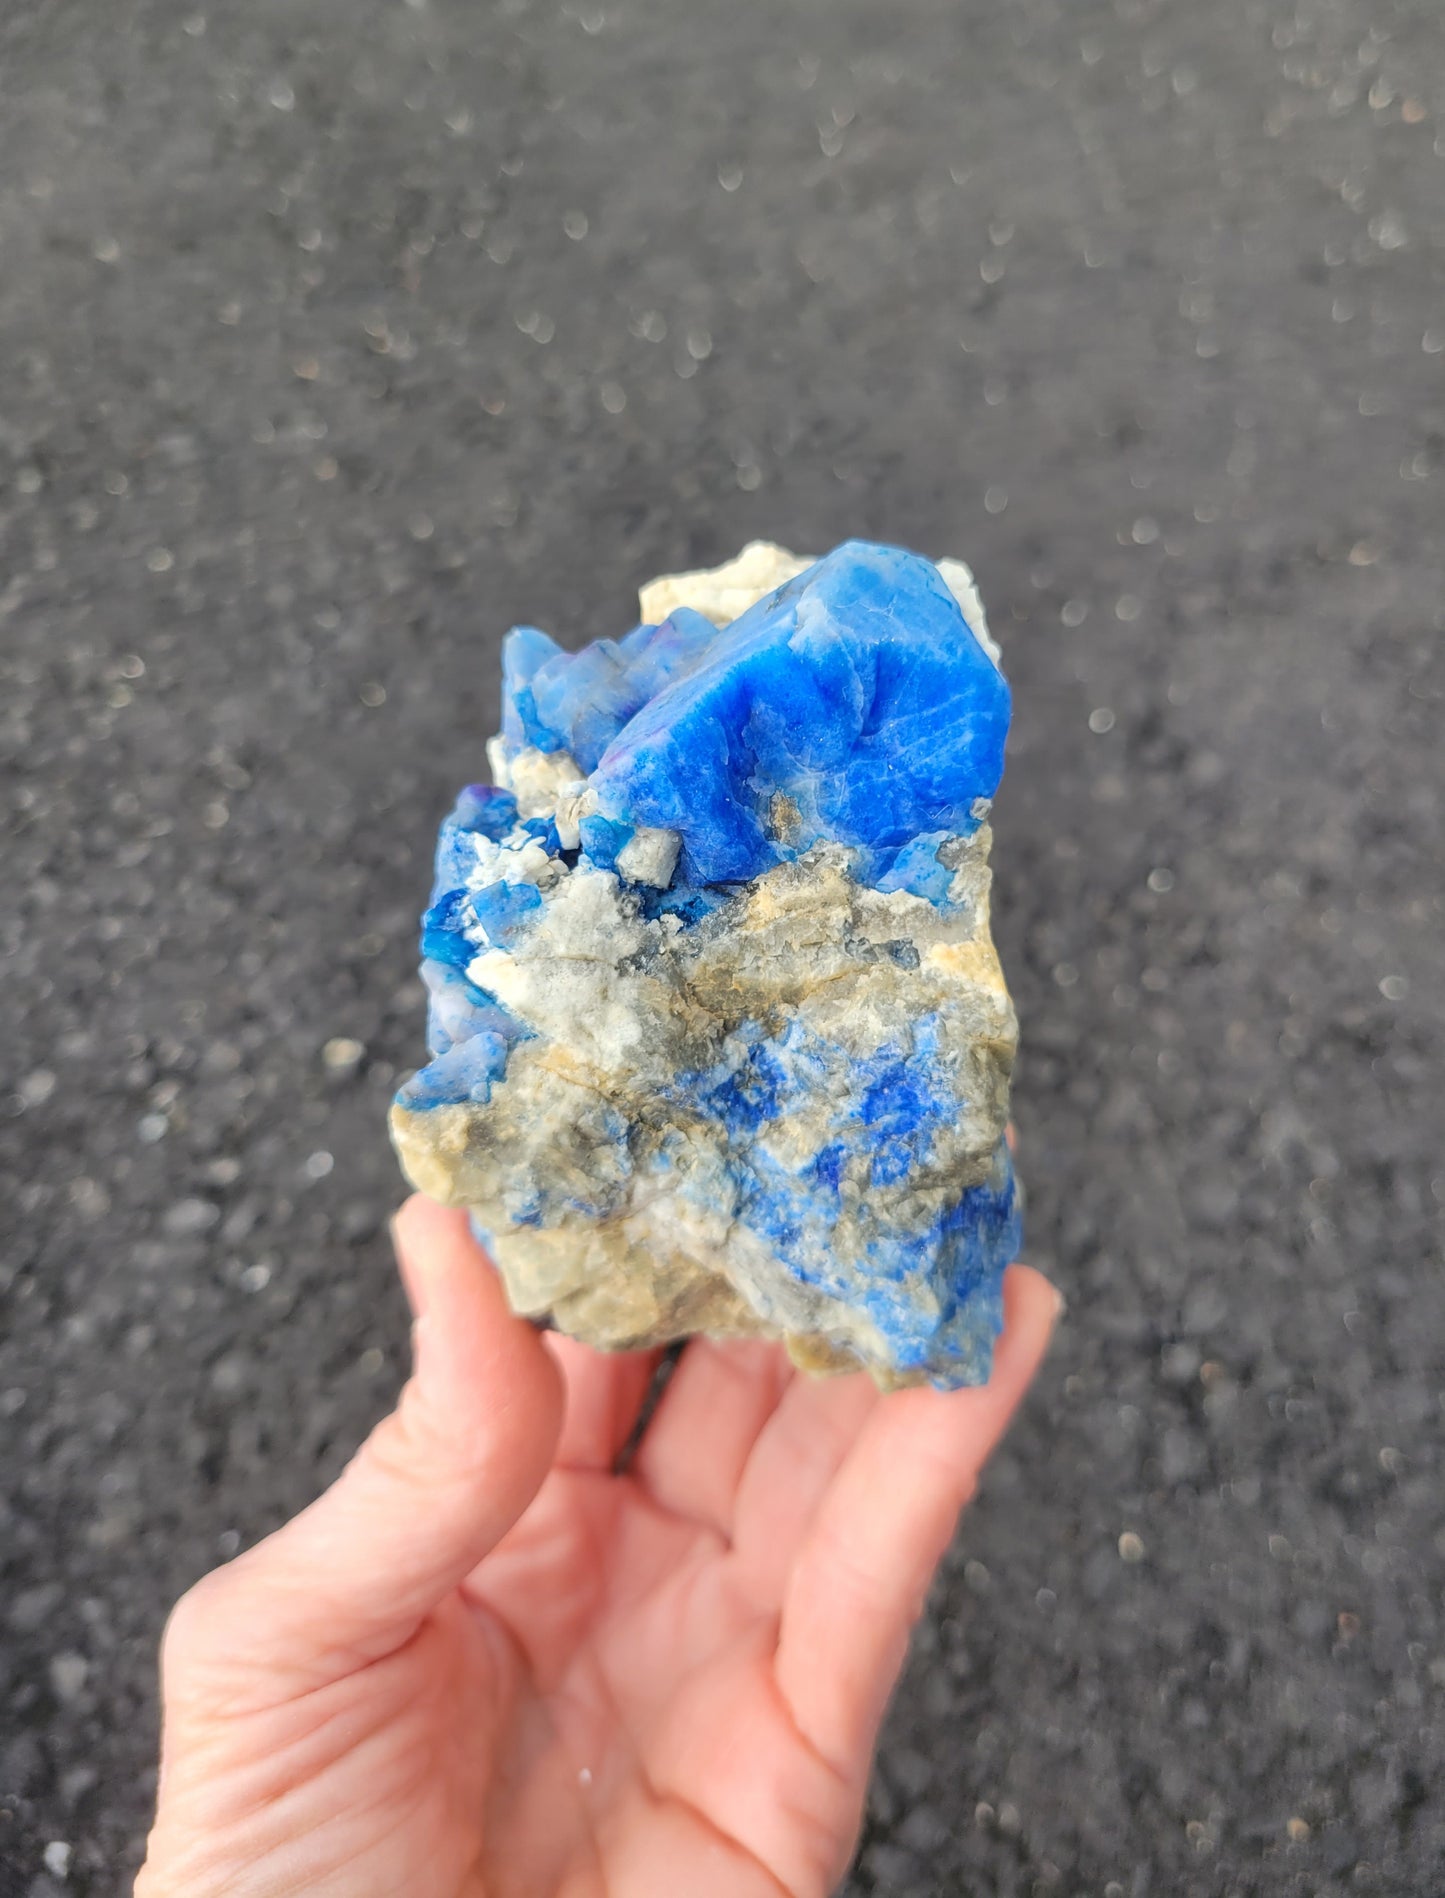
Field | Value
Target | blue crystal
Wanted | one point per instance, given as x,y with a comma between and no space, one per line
914,867
579,702
502,912
853,704
544,829
482,810
485,809
602,838
470,1036
444,930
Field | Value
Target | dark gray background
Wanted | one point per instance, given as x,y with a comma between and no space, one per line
334,336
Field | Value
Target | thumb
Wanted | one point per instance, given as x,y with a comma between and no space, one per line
434,1487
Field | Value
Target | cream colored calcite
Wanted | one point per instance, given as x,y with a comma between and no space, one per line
722,594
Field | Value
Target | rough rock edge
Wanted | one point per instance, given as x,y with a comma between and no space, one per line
723,593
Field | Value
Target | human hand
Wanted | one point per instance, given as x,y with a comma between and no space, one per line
483,1663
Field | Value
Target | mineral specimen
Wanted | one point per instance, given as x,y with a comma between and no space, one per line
720,1040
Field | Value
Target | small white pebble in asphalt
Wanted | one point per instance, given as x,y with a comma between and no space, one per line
1074,612
152,1127
342,1052
1128,606
1161,880
57,1858
37,1086
1394,988
1131,1549
1101,720
318,1165
68,1673
188,1217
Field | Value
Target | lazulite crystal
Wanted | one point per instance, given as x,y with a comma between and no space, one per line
719,1038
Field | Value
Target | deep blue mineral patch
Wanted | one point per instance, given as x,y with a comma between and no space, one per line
578,702
853,705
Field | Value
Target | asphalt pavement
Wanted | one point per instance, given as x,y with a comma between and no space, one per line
334,338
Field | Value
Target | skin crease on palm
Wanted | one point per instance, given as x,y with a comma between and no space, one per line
483,1663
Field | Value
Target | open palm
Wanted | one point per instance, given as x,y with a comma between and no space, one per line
485,1662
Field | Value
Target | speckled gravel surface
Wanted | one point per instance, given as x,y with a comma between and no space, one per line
335,337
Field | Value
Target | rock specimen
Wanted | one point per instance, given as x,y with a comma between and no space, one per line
720,1041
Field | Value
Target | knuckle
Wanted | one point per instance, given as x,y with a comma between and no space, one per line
404,1446
195,1626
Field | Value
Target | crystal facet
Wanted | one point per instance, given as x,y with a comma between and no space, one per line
720,1041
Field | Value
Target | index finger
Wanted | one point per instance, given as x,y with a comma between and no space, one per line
860,1579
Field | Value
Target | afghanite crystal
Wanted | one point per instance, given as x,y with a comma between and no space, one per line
720,1042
